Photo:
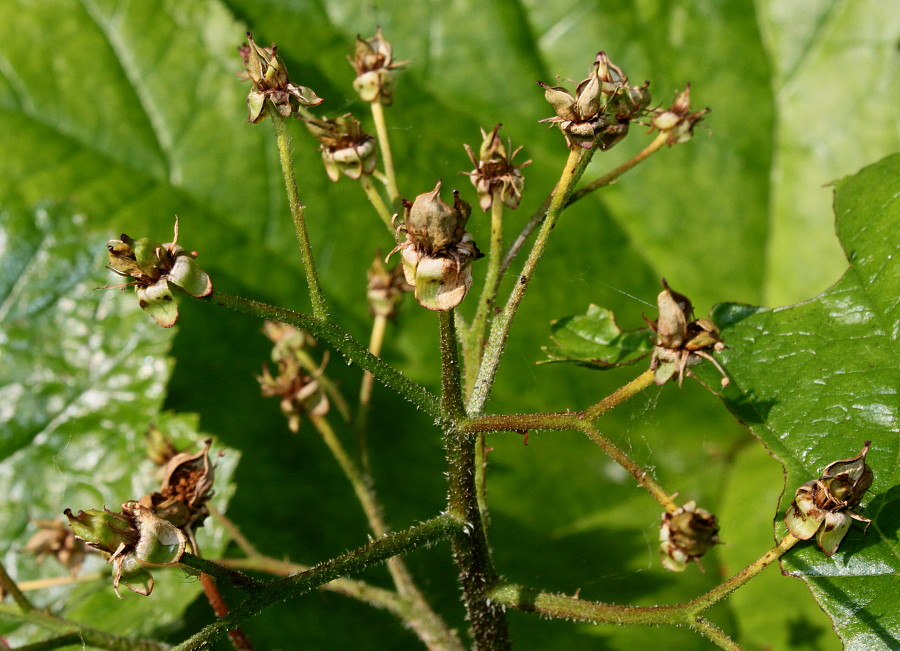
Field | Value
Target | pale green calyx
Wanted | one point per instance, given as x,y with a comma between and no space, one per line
686,535
346,148
437,252
374,64
153,267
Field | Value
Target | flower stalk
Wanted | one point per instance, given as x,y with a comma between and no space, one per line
290,181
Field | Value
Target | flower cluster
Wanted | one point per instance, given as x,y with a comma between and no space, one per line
825,505
297,383
686,535
437,252
602,108
678,121
155,530
681,340
494,172
271,84
153,267
374,63
345,146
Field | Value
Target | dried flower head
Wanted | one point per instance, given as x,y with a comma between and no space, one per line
686,535
373,61
153,267
186,488
494,173
385,288
681,340
345,147
678,121
271,84
600,111
437,252
297,383
55,539
825,506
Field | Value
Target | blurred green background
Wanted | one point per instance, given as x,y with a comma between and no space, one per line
132,112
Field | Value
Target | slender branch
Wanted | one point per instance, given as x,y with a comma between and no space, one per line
721,591
375,596
608,178
240,581
9,585
689,613
352,350
290,181
87,637
427,533
378,203
385,144
616,398
53,581
220,607
575,166
474,337
376,339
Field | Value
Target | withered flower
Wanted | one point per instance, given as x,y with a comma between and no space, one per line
131,541
686,535
437,252
55,539
186,489
271,83
385,289
494,171
153,267
345,146
374,63
296,384
602,108
681,340
825,506
678,121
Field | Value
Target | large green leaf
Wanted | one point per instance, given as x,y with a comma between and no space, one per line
132,111
82,376
816,380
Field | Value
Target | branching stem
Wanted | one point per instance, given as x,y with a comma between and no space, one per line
384,144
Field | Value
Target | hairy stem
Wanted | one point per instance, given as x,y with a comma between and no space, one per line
433,628
290,181
220,607
575,166
86,637
384,144
427,533
353,351
470,546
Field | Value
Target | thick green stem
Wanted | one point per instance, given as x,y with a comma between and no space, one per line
352,350
384,144
86,637
377,202
290,181
575,166
425,534
470,546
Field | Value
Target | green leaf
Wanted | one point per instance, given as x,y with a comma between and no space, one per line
815,381
595,340
82,376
